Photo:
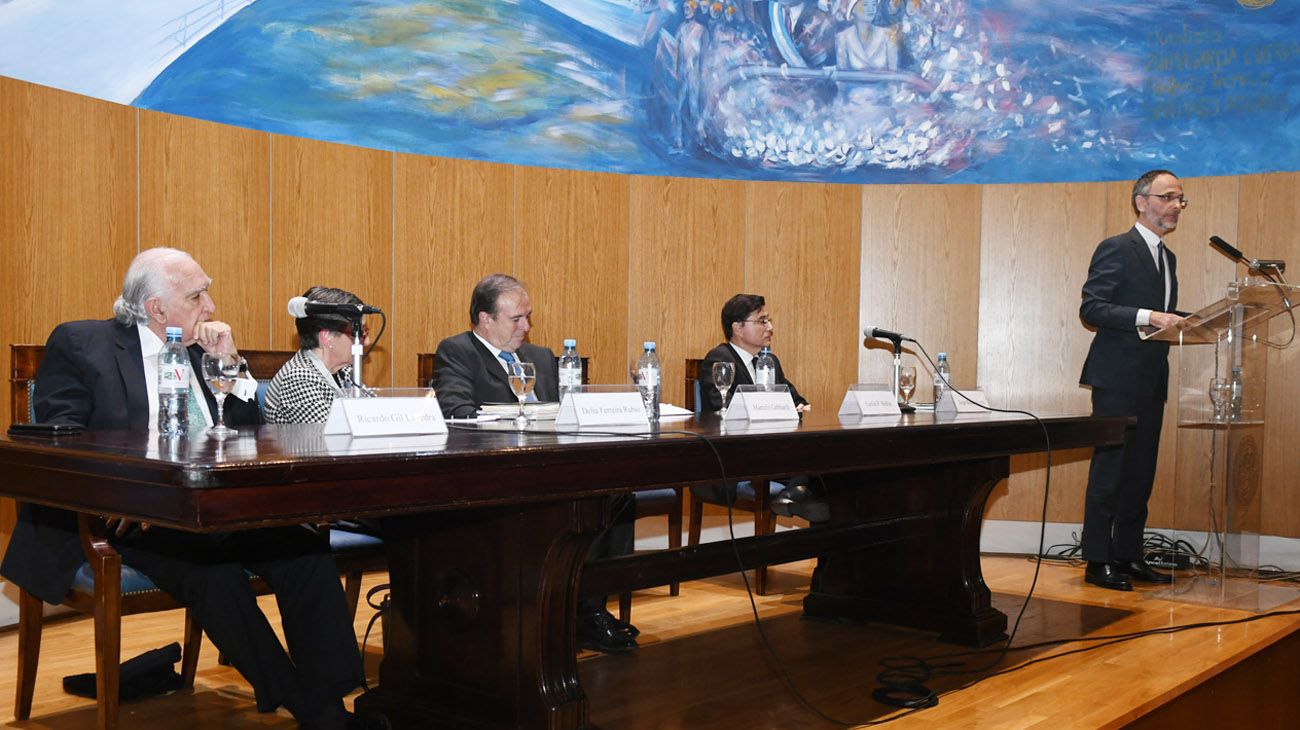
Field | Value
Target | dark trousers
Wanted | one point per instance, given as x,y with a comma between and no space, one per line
618,540
1120,478
207,574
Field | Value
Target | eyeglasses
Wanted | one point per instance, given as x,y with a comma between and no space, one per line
761,322
347,331
1170,198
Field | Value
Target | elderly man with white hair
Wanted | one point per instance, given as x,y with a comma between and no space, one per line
102,375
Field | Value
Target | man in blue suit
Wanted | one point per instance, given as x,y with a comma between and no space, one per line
1132,285
102,375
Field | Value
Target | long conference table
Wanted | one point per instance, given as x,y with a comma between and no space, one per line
487,528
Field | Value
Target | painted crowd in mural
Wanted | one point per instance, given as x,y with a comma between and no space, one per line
971,91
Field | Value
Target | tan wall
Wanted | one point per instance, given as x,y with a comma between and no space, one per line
990,274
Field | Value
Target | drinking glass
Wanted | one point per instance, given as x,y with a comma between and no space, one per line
724,374
1221,397
906,382
523,378
220,371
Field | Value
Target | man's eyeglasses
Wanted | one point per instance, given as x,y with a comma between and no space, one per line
761,322
1170,198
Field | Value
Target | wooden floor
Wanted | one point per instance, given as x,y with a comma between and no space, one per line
702,666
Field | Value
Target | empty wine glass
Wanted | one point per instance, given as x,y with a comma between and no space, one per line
523,378
724,374
906,382
220,371
1221,397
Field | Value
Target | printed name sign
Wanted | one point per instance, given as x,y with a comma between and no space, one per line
869,402
619,408
951,403
385,416
761,405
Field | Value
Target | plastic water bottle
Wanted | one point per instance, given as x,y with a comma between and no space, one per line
570,368
942,377
647,380
173,385
765,369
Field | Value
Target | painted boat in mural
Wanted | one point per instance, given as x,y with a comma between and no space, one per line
630,22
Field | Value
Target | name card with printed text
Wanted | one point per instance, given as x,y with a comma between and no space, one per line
869,400
754,403
605,408
400,416
952,403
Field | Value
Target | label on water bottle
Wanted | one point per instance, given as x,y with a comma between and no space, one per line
649,378
570,377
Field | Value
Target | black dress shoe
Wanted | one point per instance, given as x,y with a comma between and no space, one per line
1139,570
626,627
1106,576
601,632
799,501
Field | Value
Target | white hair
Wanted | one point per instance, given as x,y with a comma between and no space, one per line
146,278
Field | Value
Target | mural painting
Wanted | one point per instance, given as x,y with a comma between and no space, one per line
969,91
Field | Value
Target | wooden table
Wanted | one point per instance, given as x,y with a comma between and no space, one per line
487,529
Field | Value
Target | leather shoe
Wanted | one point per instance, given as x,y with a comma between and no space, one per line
601,632
1107,576
799,501
1139,570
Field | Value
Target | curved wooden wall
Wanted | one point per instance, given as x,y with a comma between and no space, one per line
990,274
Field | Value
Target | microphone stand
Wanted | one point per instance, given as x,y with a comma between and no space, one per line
358,351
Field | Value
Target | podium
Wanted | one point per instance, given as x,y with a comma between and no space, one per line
1221,428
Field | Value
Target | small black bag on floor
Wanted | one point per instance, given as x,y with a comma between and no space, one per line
151,673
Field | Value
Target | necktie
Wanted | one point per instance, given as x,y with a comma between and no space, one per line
194,412
509,358
1160,256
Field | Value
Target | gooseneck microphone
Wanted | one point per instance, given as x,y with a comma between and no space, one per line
300,307
884,334
1227,249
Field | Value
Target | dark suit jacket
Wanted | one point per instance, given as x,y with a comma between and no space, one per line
1122,279
91,375
709,397
466,375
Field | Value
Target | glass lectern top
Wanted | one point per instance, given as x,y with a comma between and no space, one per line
1259,300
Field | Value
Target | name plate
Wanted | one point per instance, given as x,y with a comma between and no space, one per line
586,409
402,416
869,401
951,404
761,405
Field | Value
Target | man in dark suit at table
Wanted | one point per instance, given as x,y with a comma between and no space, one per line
747,328
102,375
1132,284
470,370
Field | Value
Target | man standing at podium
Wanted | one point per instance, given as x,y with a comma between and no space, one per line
1132,284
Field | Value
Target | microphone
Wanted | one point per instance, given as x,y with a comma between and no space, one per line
300,307
883,334
1227,249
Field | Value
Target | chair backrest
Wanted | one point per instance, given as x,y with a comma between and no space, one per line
25,359
425,365
692,397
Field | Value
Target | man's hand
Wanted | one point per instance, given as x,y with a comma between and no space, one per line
215,337
119,526
803,407
1161,320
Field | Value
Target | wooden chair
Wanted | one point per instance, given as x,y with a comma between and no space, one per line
649,503
107,590
751,495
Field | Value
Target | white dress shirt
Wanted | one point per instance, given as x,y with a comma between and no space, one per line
1153,243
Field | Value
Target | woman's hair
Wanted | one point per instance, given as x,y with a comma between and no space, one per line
309,327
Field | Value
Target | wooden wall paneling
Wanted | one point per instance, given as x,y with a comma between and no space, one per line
921,276
1035,247
205,189
331,225
571,253
1270,228
453,225
67,216
687,257
802,252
